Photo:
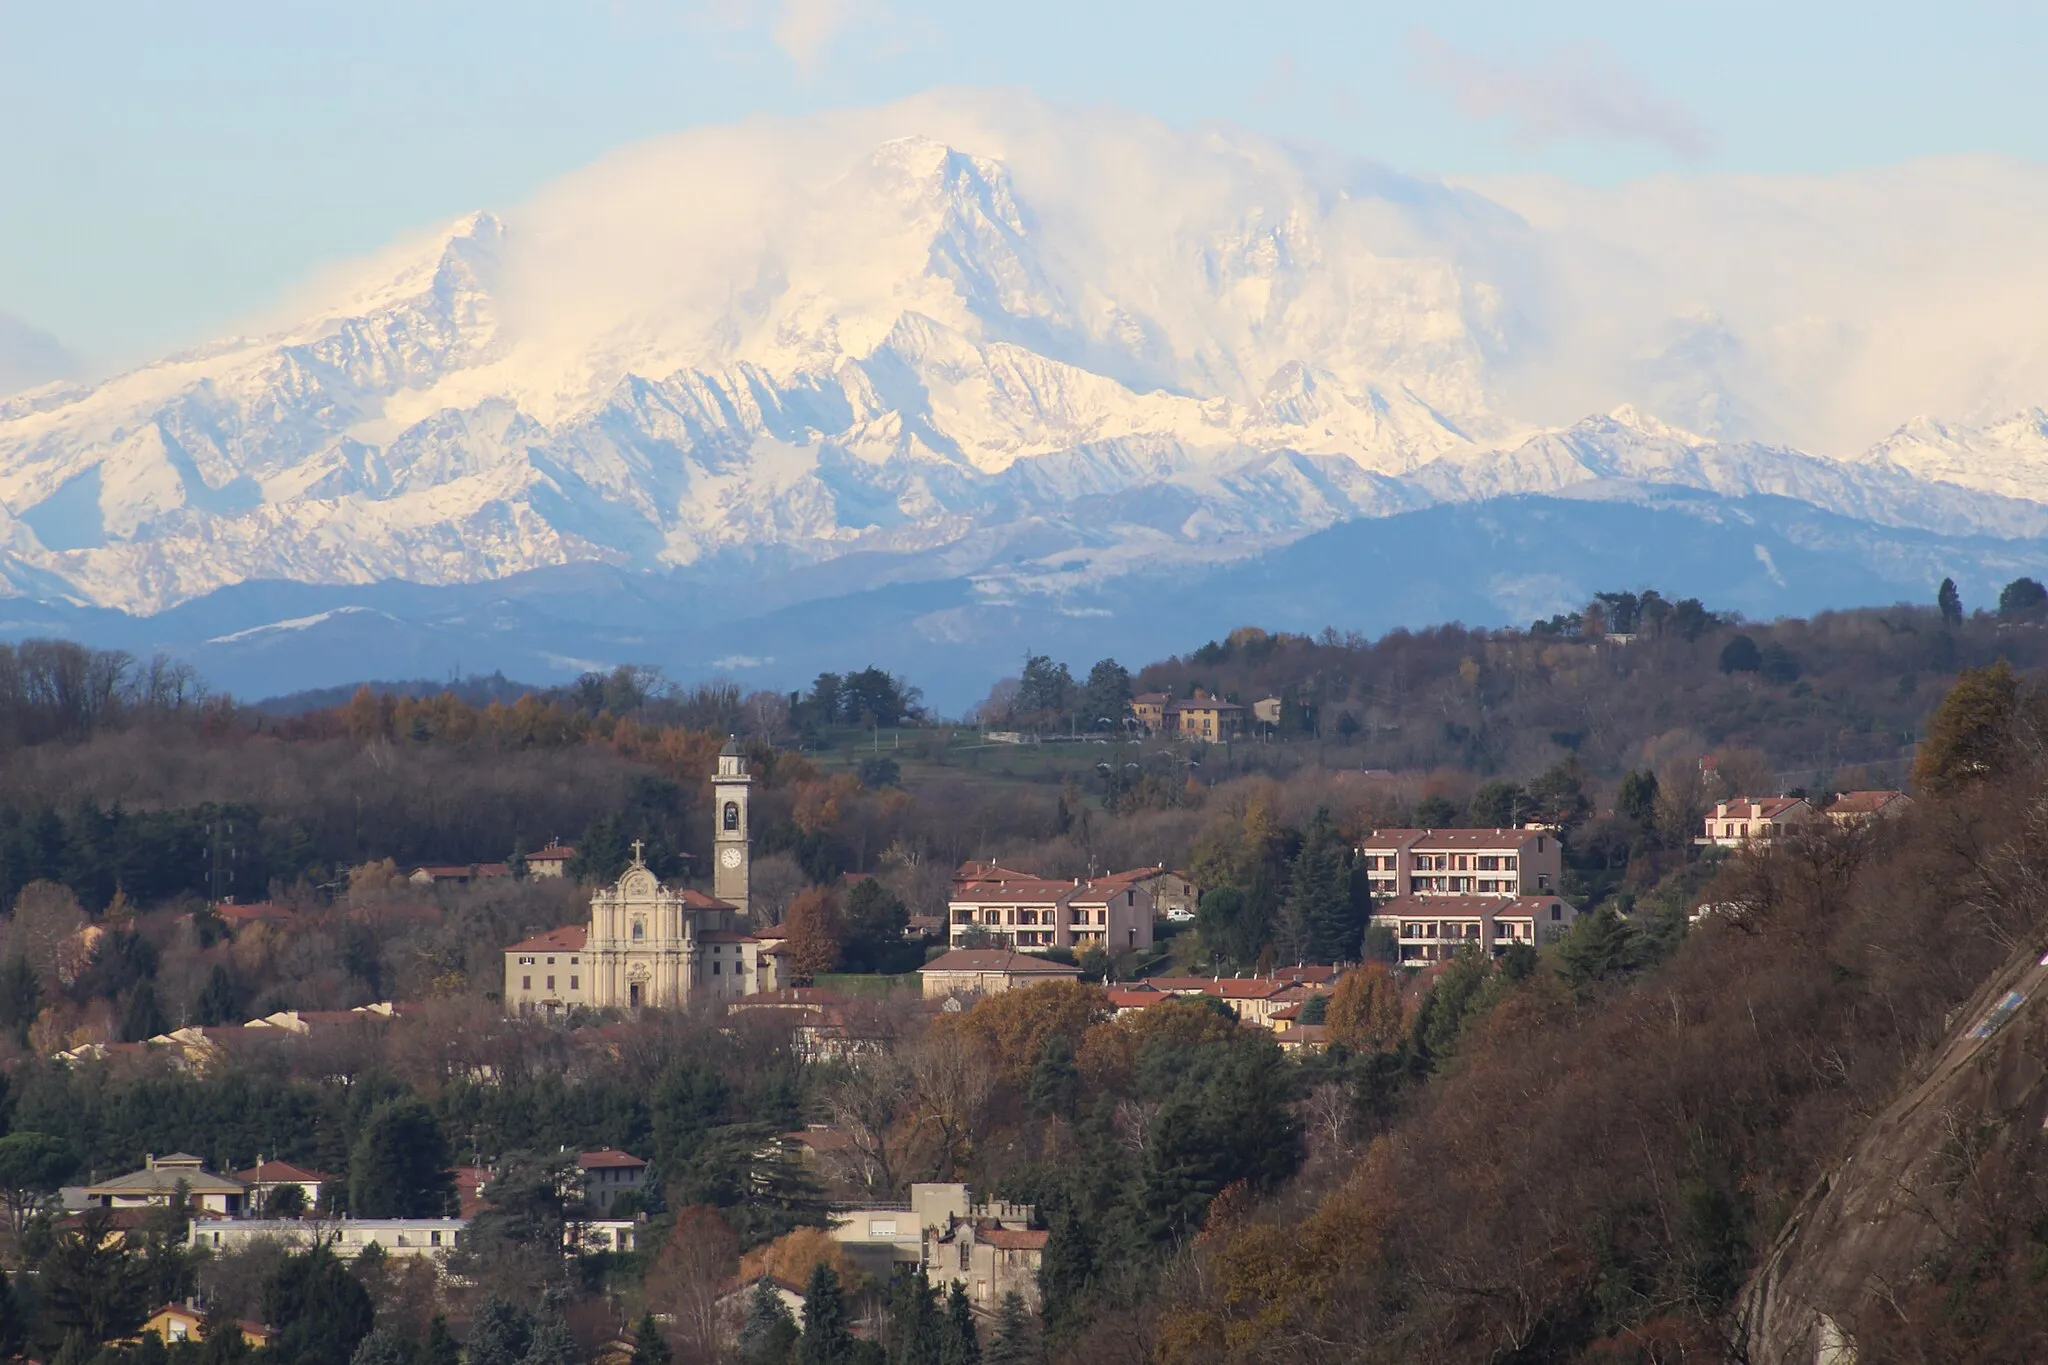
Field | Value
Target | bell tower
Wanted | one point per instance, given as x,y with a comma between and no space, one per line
731,859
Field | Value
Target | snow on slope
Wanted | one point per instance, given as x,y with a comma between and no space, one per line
972,328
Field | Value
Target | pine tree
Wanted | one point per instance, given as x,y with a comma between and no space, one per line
220,1000
1320,893
827,1340
1066,1273
958,1344
382,1347
499,1334
769,1333
399,1166
143,1018
1014,1342
441,1348
552,1343
650,1347
1055,1080
1950,601
515,865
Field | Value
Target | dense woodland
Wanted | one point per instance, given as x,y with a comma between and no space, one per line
1572,1155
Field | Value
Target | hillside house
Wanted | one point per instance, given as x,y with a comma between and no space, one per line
552,861
1435,928
1209,719
990,1248
1028,912
1860,808
608,1174
162,1178
989,971
1462,862
1744,820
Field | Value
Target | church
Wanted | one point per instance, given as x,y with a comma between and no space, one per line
652,946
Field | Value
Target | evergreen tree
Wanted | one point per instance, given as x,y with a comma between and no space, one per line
499,1334
769,1334
827,1339
382,1347
21,997
2023,599
1970,736
1066,1275
1055,1080
1013,1342
322,1312
1950,601
441,1348
515,865
1601,947
220,999
13,1326
650,1347
149,1350
1106,696
553,1343
1637,798
958,1344
914,1321
93,1283
143,1017
399,1166
1320,893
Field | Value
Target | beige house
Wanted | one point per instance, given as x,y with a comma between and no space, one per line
609,1173
552,861
1744,820
1436,928
990,1248
1210,719
988,971
266,1178
162,1178
1149,710
1025,911
1462,862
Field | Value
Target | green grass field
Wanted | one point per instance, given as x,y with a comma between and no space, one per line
863,983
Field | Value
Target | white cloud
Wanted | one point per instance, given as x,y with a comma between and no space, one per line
805,29
1581,93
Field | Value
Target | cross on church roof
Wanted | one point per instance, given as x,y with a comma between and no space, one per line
637,843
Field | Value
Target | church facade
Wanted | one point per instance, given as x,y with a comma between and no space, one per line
652,946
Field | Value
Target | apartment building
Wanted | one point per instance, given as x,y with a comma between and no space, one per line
1463,862
996,904
1743,820
1435,928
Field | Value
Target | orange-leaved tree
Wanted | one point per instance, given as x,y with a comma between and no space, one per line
816,932
1366,1012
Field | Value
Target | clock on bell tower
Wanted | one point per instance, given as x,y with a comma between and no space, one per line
730,855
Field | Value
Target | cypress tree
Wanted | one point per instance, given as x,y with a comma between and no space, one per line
650,1347
769,1332
1014,1343
957,1343
827,1340
1950,601
441,1347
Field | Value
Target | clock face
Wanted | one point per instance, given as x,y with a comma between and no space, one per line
730,857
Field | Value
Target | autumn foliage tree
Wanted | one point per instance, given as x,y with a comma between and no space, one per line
1366,1012
1012,1029
817,932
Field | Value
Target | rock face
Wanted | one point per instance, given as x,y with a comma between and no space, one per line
1871,1224
1016,336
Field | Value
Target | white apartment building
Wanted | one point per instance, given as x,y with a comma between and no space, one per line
434,1237
1436,928
1463,862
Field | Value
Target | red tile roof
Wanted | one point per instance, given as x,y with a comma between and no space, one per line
280,1173
611,1158
998,960
263,912
569,938
694,899
553,853
1013,1239
1864,803
1426,840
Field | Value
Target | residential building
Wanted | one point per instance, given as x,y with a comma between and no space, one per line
1025,911
881,1238
164,1177
457,874
263,1180
239,917
433,1237
1859,808
1266,710
1744,820
1303,1037
989,1247
609,1173
1203,717
648,945
1253,999
552,861
175,1322
592,1235
989,971
1435,928
1149,710
1462,862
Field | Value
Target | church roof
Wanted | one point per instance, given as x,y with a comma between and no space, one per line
569,938
694,899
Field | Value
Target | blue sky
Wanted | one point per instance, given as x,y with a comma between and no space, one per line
165,169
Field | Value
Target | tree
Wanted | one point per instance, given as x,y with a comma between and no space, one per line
1436,812
1970,735
827,1338
21,995
1600,947
1055,1080
93,1283
958,1345
602,853
2023,599
1365,1012
1741,655
220,999
816,933
1499,805
143,1016
1558,795
1014,1342
516,865
1231,925
650,1347
382,1347
1045,691
769,1334
13,1326
440,1347
875,920
1950,602
499,1334
1319,891
914,1322
1637,798
1106,696
32,1166
517,1238
1777,664
322,1312
552,1343
399,1166
286,1201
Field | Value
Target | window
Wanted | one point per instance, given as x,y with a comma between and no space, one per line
551,983
718,969
434,1238
639,930
1507,864
572,962
525,983
526,962
1557,912
1102,916
551,962
732,816
575,983
964,1250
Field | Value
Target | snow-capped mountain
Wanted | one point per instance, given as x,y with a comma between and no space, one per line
964,335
